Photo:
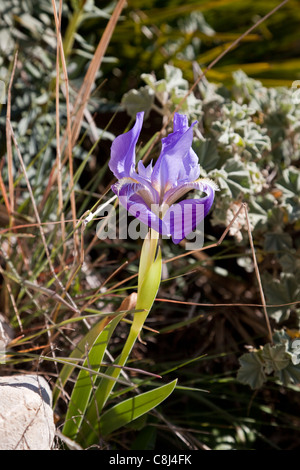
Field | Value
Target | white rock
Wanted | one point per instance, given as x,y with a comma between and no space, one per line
6,335
26,415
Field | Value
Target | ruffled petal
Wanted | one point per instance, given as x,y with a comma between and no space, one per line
145,172
150,194
190,162
182,218
137,207
177,161
174,194
132,196
122,161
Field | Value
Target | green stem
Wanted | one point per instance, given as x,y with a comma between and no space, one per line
149,281
143,303
71,30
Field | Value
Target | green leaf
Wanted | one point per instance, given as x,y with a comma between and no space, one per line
291,374
78,352
207,153
149,281
83,387
275,357
251,371
147,258
277,242
145,439
149,284
123,413
135,101
234,177
281,291
174,78
289,183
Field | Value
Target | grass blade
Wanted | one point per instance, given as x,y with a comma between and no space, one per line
123,413
83,388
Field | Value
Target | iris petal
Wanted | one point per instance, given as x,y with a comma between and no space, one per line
150,194
122,161
134,197
137,207
179,191
177,161
190,162
145,172
182,218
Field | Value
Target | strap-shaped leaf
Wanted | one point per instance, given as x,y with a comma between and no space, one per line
123,413
78,352
148,288
85,343
83,387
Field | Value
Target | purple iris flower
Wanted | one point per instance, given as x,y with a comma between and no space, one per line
151,193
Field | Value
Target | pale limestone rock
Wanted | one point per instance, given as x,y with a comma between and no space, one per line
26,415
6,335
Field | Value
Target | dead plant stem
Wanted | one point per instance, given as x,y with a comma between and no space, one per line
39,222
244,205
58,150
8,142
69,131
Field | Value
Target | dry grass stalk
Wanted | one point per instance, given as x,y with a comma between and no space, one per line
60,55
58,150
39,221
89,79
8,141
